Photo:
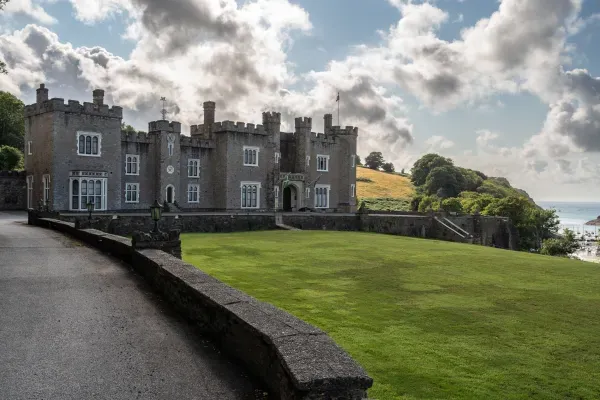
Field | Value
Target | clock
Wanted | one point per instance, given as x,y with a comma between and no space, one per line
170,169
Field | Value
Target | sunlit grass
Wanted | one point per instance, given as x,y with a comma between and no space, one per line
427,319
383,185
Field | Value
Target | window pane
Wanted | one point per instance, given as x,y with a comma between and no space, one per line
134,166
88,145
81,144
75,192
95,145
243,196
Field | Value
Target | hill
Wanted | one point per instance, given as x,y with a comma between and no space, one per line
427,319
383,191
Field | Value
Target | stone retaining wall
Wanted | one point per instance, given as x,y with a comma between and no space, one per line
294,359
13,190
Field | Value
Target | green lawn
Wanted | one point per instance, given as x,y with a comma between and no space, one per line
427,319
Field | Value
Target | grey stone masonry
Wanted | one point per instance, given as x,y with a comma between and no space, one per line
13,190
168,242
78,154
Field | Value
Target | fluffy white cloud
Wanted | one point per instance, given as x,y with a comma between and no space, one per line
29,8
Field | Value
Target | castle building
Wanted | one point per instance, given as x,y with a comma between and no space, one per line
76,154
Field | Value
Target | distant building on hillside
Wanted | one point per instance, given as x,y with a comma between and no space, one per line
75,154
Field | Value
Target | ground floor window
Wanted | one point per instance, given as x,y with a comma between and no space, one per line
132,193
46,180
322,196
86,190
193,193
30,191
250,192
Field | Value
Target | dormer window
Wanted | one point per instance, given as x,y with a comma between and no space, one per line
89,144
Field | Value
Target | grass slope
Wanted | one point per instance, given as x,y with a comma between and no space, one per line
427,319
383,191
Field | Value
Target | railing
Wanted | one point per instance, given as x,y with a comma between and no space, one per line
458,227
450,228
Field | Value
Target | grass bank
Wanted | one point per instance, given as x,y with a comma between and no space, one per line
427,319
383,191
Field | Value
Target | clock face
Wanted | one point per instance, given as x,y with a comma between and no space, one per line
170,169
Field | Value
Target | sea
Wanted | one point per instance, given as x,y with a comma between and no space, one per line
574,215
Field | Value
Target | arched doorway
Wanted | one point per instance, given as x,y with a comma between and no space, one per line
170,194
290,199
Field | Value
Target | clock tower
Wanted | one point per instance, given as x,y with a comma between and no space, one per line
166,137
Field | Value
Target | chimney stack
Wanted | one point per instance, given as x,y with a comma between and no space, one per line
41,94
328,123
98,96
209,113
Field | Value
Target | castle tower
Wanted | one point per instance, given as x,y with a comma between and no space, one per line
347,139
272,124
167,160
303,150
327,123
98,97
41,94
209,118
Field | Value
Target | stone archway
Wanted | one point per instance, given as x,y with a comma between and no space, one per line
290,198
170,195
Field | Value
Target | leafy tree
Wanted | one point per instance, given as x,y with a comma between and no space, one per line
374,160
10,158
474,202
388,167
423,166
402,171
358,161
415,201
12,124
445,181
562,246
451,205
2,64
127,128
429,202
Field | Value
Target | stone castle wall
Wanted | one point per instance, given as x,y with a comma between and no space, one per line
13,190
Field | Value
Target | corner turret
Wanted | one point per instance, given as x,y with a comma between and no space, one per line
41,94
303,146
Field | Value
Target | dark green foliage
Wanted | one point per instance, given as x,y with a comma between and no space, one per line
363,179
388,167
358,161
374,160
451,205
129,129
425,165
562,246
10,158
444,181
12,124
386,204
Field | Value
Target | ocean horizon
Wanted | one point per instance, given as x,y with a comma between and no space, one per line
574,214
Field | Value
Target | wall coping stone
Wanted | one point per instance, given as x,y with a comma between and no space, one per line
296,360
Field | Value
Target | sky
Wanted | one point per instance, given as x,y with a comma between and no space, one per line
509,87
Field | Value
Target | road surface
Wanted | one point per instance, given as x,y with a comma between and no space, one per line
77,324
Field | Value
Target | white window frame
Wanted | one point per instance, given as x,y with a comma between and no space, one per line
322,161
30,191
135,162
308,161
255,197
307,193
318,196
353,190
249,158
92,136
132,188
193,188
277,157
353,160
102,195
46,182
276,197
29,152
194,162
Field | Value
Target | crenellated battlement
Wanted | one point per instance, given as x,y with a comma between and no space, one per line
303,122
271,118
186,141
348,130
323,138
136,137
240,127
73,106
164,126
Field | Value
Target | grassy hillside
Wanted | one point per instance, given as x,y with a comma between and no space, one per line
383,191
427,319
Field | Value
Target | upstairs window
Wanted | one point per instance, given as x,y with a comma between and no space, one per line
352,190
308,161
352,160
193,168
29,148
277,157
251,156
132,164
170,147
88,144
46,181
322,163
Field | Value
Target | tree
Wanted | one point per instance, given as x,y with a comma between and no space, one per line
10,158
445,181
358,162
451,205
12,123
127,128
423,166
2,64
388,167
562,246
374,160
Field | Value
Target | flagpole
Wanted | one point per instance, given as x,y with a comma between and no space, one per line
338,101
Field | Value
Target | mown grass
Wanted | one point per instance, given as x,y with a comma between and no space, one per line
427,319
383,185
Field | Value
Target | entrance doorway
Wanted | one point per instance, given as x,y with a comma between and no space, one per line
170,194
290,198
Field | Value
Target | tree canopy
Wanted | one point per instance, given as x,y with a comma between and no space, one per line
388,167
425,165
12,123
374,160
10,158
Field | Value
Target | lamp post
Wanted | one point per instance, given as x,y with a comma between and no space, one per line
155,212
90,208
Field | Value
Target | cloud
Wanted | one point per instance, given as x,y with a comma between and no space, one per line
438,143
27,7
